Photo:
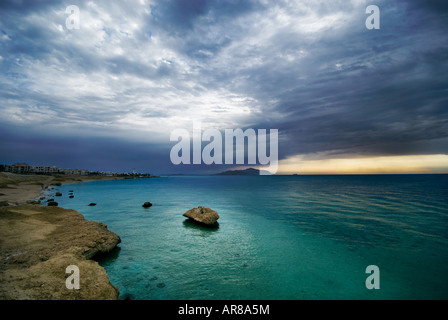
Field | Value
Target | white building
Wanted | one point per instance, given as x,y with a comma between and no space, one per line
23,168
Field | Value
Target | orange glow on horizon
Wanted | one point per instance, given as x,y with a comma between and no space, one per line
412,164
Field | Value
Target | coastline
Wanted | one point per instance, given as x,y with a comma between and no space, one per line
38,243
18,189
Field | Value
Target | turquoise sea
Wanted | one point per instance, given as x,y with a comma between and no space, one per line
279,237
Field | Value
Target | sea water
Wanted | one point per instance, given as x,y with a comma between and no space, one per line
279,237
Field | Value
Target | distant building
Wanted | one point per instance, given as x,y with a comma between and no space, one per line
79,172
23,168
44,169
18,168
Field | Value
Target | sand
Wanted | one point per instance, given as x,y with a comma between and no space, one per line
18,189
38,243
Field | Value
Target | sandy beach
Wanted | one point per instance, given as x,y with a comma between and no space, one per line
16,189
37,243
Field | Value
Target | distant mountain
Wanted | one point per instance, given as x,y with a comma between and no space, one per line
246,172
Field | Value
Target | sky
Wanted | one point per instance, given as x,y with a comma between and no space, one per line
106,96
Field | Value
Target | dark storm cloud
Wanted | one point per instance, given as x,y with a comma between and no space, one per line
310,69
381,111
437,6
93,153
26,5
181,15
388,96
200,29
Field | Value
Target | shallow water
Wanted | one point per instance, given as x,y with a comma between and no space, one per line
279,237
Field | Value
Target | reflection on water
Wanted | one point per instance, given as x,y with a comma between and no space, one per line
192,224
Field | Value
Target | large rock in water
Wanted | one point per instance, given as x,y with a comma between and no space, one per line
203,215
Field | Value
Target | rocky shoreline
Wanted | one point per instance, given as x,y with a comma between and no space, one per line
38,243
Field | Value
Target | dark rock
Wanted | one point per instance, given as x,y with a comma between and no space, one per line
92,204
203,215
127,296
161,285
147,205
52,204
72,196
58,194
49,200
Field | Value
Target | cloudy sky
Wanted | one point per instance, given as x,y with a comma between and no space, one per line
106,96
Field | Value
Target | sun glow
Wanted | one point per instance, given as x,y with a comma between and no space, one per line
437,163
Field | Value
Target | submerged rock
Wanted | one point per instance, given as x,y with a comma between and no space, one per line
203,215
147,205
58,194
92,204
